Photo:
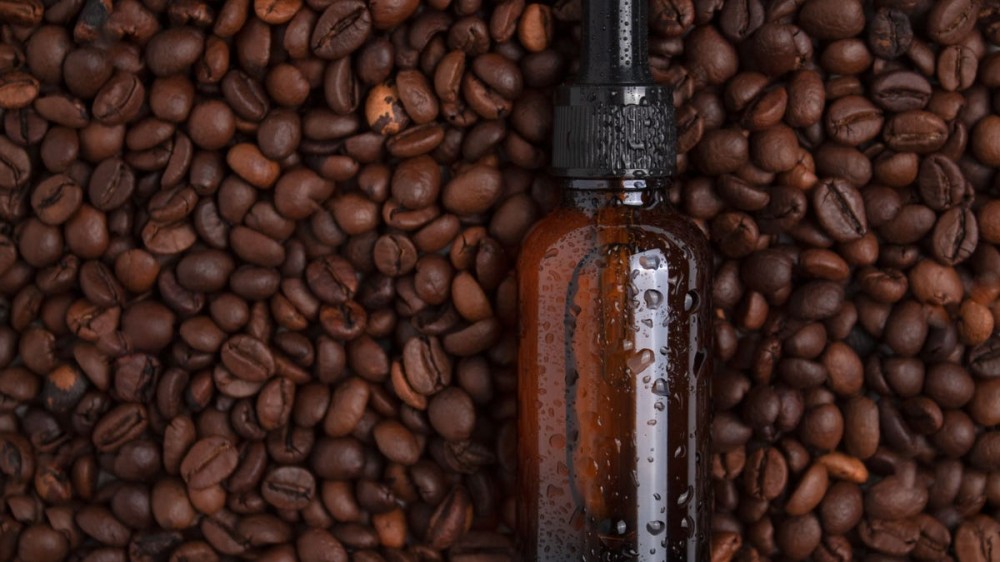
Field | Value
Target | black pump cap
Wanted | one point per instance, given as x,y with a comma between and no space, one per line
613,121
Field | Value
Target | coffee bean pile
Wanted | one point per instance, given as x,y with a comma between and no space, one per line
842,156
256,272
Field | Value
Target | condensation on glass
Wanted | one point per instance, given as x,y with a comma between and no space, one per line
613,395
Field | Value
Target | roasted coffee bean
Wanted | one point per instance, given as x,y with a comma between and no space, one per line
941,183
26,13
451,515
384,110
209,252
832,20
340,30
417,96
895,498
56,199
289,488
842,508
915,131
274,403
890,537
983,135
473,191
119,100
174,50
15,167
779,48
119,426
799,536
212,124
41,542
17,90
853,120
901,91
209,461
332,279
248,358
62,110
766,474
246,97
737,20
840,210
951,20
956,67
889,33
318,545
974,537
955,236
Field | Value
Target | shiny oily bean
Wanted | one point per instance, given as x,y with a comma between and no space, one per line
853,120
209,461
341,29
417,96
915,131
56,199
289,488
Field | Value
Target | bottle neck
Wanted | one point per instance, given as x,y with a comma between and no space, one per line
593,194
616,49
613,120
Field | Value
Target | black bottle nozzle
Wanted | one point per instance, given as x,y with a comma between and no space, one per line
613,121
614,43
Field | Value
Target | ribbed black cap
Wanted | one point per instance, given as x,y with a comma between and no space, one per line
613,121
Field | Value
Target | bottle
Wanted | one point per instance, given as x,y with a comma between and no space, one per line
613,399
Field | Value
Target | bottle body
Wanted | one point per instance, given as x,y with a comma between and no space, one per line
613,380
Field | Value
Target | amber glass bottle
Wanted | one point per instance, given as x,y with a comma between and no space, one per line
615,326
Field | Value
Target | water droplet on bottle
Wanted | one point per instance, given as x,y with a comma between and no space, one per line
557,441
660,387
699,361
687,525
659,406
621,527
640,361
655,527
690,301
649,262
680,451
685,496
653,298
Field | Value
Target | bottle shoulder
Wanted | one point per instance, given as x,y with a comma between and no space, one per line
684,232
655,226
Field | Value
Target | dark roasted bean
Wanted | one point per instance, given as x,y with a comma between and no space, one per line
256,272
341,29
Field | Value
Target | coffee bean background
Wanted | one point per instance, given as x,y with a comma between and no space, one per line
257,297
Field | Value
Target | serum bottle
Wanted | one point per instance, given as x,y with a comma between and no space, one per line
614,370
